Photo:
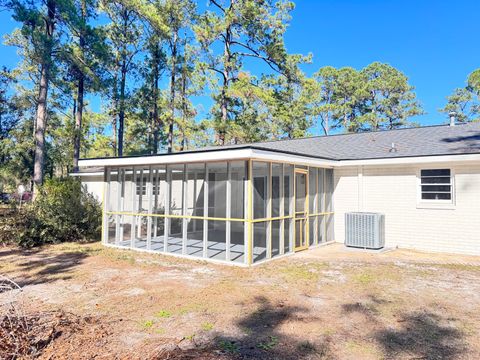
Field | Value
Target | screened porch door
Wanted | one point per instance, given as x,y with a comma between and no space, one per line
301,209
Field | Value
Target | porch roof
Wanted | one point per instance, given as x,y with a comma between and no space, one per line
387,146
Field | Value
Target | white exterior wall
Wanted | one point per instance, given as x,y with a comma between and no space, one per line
409,223
94,185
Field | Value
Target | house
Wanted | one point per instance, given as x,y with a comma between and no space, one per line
245,204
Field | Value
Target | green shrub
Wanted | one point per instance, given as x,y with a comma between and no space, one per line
63,211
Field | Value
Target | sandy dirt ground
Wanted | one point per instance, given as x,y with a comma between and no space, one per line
326,303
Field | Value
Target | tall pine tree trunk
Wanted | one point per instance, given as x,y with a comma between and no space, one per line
223,96
78,123
173,75
80,90
183,95
41,114
123,78
326,124
115,113
155,118
121,113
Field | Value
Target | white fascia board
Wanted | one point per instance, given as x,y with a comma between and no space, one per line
258,154
411,160
176,158
290,158
97,173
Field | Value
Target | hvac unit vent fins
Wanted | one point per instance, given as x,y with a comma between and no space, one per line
365,230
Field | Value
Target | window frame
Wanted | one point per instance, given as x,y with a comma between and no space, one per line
445,203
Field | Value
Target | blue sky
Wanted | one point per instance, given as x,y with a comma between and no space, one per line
435,43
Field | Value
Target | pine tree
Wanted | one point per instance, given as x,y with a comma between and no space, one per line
232,32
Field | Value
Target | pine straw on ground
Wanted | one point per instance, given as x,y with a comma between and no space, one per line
48,334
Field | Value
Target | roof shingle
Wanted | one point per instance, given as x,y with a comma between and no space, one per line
408,142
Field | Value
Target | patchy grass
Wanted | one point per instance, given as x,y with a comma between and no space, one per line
147,324
207,326
269,344
341,305
364,279
228,346
163,314
302,272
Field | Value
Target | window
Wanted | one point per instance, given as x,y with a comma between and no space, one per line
155,190
436,185
144,189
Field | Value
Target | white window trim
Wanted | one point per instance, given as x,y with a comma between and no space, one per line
435,204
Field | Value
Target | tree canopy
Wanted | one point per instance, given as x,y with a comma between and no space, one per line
465,102
112,78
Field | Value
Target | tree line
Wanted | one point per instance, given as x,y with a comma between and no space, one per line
111,78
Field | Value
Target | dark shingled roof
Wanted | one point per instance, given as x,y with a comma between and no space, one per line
409,142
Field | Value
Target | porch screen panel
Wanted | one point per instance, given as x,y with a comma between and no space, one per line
111,224
217,189
321,191
112,221
126,205
141,194
261,189
321,206
159,188
276,227
260,241
288,207
195,197
329,236
175,176
321,228
329,188
238,178
217,200
113,190
312,205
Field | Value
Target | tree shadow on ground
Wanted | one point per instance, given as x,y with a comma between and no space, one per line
39,268
421,334
262,337
424,335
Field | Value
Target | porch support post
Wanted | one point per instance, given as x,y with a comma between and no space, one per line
249,247
269,211
228,209
140,204
106,200
315,209
150,203
134,206
281,212
184,209
120,219
205,214
168,186
292,210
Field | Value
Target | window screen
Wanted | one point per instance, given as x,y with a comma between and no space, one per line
436,184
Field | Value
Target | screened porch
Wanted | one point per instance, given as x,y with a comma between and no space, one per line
241,212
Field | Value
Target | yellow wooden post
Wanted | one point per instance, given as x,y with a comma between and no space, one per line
249,250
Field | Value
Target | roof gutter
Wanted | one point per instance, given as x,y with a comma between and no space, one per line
252,152
411,160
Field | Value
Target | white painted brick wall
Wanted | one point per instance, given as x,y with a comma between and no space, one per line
394,190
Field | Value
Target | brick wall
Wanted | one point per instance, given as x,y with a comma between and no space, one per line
409,223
